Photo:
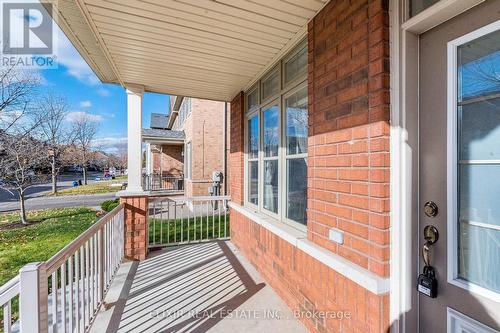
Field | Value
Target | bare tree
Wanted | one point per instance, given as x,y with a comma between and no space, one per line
21,156
22,160
51,115
84,132
17,90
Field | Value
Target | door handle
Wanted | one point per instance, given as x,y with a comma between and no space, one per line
431,236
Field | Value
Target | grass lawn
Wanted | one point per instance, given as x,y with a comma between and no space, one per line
40,241
177,230
94,188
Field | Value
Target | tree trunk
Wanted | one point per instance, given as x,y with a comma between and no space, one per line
22,210
54,175
84,176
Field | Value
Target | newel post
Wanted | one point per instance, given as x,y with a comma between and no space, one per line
33,307
136,226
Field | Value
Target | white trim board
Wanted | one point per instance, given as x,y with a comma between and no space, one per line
366,279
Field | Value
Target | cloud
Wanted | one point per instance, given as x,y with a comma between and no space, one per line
111,144
76,115
103,92
69,57
85,104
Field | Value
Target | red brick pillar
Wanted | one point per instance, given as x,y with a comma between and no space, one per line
136,227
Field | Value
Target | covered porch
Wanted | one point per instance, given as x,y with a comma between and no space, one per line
164,156
205,287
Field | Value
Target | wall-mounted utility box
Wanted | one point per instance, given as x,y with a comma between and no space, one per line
336,235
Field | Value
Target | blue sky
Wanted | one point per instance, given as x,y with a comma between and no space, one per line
74,79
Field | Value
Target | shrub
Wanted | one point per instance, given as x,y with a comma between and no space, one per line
109,205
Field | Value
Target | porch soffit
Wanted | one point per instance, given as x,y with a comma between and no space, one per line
207,49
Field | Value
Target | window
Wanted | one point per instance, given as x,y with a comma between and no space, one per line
296,155
271,84
296,65
184,113
416,6
253,98
276,140
253,159
270,145
475,171
188,165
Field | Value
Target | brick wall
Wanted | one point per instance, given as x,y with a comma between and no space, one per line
204,128
348,171
348,176
136,227
236,155
306,284
169,161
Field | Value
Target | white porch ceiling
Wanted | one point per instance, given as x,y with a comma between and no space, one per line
199,48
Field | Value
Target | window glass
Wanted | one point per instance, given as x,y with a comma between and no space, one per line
479,161
416,6
188,166
253,182
253,99
271,185
270,85
253,137
296,189
296,122
271,131
296,65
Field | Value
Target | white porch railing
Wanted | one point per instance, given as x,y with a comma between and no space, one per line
64,293
8,292
175,221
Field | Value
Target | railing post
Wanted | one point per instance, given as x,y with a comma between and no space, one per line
100,262
33,307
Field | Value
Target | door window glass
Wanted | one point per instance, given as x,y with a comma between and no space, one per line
479,161
416,6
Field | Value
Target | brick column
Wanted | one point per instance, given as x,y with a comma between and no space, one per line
136,227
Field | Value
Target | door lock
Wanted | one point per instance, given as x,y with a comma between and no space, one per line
427,282
430,209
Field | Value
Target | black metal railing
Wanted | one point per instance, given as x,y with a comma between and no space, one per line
156,182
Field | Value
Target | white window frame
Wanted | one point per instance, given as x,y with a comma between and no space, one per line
286,157
254,113
263,159
452,164
277,99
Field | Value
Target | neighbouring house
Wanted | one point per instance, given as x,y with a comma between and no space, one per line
185,148
364,158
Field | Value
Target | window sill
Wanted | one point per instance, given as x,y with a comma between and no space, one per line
368,280
281,229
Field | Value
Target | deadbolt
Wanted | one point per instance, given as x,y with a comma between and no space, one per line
431,234
430,209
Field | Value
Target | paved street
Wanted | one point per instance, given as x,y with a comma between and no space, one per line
36,199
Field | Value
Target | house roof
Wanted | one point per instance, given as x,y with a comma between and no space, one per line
203,49
159,120
149,134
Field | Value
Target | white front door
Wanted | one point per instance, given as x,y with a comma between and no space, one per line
459,170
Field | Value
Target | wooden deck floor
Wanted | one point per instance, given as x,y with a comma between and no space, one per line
206,287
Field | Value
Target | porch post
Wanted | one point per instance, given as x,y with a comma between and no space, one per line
134,126
148,159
